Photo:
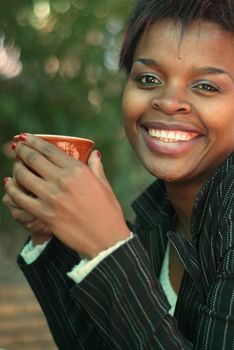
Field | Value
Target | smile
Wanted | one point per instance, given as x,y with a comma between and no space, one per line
169,142
171,135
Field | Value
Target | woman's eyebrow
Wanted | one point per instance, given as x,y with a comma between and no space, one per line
212,70
148,62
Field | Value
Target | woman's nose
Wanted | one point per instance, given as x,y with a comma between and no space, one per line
171,103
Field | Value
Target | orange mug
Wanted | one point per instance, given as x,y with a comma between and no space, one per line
76,147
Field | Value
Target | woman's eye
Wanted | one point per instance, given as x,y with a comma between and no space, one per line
206,87
147,80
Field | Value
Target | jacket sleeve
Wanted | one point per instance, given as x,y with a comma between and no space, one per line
69,323
119,305
126,303
217,315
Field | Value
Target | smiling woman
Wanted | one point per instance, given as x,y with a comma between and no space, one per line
165,281
176,108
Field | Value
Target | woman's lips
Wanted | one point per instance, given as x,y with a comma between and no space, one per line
169,142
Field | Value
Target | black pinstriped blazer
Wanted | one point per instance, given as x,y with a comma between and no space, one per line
120,304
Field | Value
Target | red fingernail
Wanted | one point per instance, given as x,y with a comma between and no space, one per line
99,154
13,145
22,137
5,180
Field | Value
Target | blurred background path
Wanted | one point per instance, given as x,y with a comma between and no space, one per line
22,324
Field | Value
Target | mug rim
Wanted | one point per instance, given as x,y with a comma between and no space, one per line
54,136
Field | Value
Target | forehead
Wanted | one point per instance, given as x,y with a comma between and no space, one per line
201,39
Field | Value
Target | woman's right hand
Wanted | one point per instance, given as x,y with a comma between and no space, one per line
38,230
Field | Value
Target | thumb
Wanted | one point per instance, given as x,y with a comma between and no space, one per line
95,165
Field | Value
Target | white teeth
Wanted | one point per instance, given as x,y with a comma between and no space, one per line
171,136
164,134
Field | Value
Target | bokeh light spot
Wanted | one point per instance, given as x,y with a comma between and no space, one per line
69,67
95,97
95,38
79,4
41,9
61,6
52,66
114,25
10,64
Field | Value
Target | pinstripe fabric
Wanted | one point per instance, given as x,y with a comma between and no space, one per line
120,304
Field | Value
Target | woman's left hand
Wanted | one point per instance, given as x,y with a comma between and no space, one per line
73,199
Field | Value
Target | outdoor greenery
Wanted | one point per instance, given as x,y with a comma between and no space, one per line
59,74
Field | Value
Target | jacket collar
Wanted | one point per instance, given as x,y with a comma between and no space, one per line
153,206
213,187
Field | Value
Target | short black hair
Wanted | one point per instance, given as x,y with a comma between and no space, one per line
147,12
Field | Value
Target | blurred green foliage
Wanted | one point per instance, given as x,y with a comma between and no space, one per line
59,74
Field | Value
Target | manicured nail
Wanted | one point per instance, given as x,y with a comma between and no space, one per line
22,137
13,145
99,154
5,180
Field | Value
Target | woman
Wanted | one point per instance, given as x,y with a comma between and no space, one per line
178,108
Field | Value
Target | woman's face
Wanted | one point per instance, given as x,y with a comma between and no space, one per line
178,102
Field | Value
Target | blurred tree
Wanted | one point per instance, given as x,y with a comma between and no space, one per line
59,74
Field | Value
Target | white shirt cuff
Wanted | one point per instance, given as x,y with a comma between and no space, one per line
31,252
80,271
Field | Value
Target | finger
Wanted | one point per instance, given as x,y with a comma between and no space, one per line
8,202
35,161
95,165
23,200
18,213
29,181
35,226
39,154
21,215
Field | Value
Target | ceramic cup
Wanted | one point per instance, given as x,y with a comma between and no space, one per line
76,147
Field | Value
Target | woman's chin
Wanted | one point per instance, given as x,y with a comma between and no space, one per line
170,174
